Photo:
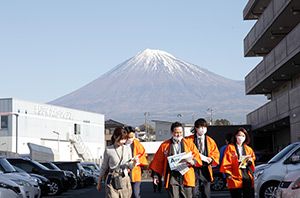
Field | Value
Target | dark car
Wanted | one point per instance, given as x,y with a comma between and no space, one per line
43,182
70,175
59,181
75,167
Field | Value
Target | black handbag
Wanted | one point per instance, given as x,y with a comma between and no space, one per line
116,182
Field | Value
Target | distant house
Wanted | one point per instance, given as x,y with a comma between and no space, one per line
110,126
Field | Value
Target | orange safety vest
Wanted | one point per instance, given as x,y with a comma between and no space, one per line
212,150
138,149
159,163
230,165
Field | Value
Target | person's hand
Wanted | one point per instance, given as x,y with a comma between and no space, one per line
191,163
155,180
229,177
209,160
98,186
136,161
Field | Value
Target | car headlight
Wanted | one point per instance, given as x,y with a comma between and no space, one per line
258,173
13,188
37,180
21,182
296,184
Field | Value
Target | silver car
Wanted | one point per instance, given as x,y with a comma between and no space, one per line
289,187
268,176
9,188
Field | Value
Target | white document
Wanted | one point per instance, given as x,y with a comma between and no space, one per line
176,162
243,160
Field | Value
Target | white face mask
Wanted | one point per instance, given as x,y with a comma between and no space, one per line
240,139
129,141
122,141
201,131
177,138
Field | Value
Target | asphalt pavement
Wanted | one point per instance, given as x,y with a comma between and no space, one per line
146,192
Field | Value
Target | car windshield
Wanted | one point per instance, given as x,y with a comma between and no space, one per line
282,153
53,166
19,169
40,165
6,167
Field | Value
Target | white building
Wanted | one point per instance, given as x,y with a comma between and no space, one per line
71,134
163,129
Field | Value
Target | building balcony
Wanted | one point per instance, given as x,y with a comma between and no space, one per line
276,21
277,113
278,67
254,9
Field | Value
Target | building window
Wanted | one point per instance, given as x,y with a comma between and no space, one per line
77,129
4,122
159,133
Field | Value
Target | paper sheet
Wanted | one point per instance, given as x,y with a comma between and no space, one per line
176,162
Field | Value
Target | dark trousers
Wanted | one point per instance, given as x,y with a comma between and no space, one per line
246,190
158,186
136,189
176,189
202,183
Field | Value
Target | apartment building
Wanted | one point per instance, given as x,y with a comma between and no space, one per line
276,38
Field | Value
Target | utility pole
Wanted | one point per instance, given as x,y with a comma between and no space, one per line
180,116
211,116
193,117
146,125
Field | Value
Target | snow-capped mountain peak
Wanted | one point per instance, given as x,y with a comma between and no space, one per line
156,81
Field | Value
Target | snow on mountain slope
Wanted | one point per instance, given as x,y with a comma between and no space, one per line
157,82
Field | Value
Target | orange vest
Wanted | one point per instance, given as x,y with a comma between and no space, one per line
138,148
212,150
159,162
230,165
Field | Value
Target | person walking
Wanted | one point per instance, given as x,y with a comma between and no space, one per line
117,160
209,155
178,185
136,149
238,165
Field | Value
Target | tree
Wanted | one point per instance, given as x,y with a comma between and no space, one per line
222,122
149,127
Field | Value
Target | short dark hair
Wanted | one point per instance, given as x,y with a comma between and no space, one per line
129,129
228,137
200,123
118,132
241,129
175,125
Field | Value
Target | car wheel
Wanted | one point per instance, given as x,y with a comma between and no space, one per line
218,183
55,188
269,190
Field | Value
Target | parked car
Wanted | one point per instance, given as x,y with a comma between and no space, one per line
289,187
263,157
91,164
9,188
69,174
43,182
74,167
59,181
219,182
26,182
268,176
95,173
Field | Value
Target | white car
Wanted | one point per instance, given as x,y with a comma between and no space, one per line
289,187
268,176
9,188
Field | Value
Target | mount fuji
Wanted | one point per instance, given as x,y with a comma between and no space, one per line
157,82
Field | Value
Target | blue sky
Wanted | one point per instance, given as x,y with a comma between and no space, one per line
51,48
